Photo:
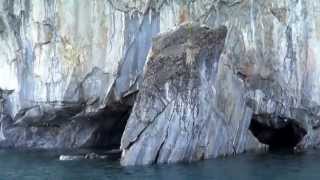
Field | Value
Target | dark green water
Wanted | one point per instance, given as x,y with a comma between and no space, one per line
19,165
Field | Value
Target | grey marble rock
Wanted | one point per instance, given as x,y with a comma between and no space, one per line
176,115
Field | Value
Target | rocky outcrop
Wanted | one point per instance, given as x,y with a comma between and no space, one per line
176,115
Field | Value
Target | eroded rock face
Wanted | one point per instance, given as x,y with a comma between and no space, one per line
64,127
68,60
175,117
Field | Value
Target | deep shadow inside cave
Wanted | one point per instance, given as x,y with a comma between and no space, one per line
283,135
113,120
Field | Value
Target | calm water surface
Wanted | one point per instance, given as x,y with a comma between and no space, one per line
40,165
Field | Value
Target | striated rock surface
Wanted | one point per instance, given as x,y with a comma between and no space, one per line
66,65
266,81
176,117
69,61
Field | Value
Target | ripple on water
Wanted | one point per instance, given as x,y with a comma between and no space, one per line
40,165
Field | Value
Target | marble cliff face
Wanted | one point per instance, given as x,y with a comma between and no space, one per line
79,73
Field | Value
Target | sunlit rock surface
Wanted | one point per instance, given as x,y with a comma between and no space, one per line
89,55
82,55
74,51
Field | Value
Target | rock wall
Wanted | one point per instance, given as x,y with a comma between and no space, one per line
268,69
71,57
86,57
72,51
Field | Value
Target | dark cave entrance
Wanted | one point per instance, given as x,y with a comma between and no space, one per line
278,133
112,121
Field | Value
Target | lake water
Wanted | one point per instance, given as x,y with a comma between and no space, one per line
41,165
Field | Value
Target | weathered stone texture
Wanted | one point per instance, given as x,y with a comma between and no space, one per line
91,54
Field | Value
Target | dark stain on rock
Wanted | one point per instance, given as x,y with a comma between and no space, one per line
2,26
280,14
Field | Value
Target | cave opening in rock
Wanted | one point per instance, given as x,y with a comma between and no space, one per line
112,122
279,133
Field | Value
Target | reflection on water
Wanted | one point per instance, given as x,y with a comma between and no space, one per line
40,165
